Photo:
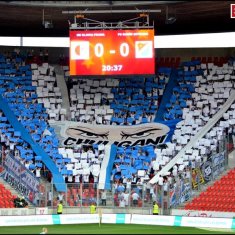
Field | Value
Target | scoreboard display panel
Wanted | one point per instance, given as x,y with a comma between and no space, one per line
112,52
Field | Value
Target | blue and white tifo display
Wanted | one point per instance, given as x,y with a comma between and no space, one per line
202,222
207,40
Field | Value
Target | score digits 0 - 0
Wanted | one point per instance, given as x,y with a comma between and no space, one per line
123,50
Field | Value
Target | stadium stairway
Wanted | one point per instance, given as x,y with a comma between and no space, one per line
64,90
166,96
57,177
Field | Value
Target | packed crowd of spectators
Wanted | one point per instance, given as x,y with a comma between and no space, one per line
201,91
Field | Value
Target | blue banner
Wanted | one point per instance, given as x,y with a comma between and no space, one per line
180,192
218,162
20,178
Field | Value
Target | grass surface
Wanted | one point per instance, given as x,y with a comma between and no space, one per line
107,229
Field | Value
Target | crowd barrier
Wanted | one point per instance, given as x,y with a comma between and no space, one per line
228,223
197,213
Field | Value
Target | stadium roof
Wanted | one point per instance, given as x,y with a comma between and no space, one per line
24,18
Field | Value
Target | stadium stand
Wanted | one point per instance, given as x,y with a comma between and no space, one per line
213,87
18,92
116,101
33,102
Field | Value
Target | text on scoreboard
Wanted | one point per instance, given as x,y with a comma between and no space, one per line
112,52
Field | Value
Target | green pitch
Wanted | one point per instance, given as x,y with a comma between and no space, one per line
107,229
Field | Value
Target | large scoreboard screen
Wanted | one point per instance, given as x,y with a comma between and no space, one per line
112,52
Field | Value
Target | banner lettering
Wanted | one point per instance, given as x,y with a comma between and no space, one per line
76,133
19,177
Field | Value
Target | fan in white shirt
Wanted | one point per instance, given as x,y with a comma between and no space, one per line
70,178
86,178
77,155
90,154
128,185
84,155
38,172
135,198
126,198
12,145
27,164
122,202
77,178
